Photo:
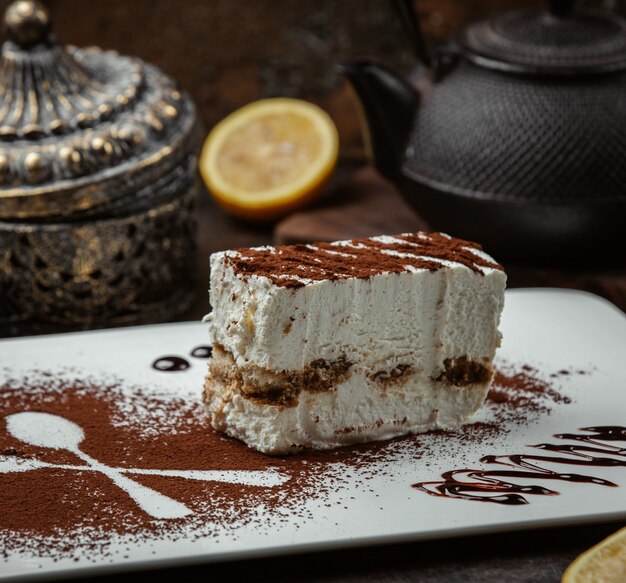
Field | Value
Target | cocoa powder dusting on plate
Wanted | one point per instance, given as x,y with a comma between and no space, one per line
75,511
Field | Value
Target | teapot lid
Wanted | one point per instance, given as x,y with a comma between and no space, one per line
554,41
77,123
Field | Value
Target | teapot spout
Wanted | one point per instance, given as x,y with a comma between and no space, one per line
389,104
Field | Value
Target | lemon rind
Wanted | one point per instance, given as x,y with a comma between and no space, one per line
583,561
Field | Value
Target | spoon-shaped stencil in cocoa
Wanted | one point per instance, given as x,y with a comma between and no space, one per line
266,478
52,431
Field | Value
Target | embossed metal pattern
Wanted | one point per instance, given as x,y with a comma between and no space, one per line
52,91
75,124
98,157
133,269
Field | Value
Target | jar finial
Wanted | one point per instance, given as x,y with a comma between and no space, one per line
27,23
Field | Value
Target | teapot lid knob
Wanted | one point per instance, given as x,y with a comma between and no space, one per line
556,40
409,17
27,23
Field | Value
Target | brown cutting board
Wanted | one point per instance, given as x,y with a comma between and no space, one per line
360,205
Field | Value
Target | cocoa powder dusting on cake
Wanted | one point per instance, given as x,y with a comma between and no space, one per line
80,513
289,265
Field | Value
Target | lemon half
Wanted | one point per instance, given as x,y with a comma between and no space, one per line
269,157
604,563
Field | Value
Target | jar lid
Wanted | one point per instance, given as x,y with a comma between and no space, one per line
76,124
554,41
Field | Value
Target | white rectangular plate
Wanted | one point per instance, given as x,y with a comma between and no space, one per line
550,330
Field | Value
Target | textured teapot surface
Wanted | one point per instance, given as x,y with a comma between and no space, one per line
533,109
517,135
488,134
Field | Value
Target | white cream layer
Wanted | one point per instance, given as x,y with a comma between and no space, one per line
417,318
357,411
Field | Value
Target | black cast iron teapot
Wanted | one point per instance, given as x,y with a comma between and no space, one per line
517,139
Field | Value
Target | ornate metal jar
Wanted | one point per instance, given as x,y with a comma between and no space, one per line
97,184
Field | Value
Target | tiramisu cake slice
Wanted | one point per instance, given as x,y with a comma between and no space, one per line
322,345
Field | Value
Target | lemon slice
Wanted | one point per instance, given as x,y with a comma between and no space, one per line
606,562
269,157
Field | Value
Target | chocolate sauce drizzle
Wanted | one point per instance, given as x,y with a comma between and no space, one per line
202,352
484,485
170,364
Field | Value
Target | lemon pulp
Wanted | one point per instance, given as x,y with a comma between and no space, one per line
269,157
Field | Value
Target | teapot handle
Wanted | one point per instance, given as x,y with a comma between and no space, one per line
443,59
411,23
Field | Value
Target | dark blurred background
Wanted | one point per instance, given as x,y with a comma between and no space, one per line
227,53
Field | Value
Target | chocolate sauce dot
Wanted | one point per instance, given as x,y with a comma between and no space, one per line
202,352
170,364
